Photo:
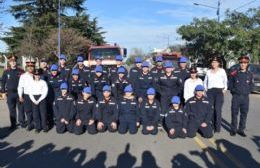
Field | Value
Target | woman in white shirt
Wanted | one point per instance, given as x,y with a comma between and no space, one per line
38,93
191,83
215,84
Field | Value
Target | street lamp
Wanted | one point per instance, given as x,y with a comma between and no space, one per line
213,7
59,27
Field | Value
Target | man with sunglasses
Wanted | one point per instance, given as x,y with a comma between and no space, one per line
241,85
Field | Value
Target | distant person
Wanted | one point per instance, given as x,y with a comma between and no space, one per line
121,81
215,83
135,71
113,70
63,70
241,85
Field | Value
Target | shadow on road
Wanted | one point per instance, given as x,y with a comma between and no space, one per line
256,140
48,156
5,132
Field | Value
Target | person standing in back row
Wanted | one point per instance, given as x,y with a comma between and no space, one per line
216,85
241,85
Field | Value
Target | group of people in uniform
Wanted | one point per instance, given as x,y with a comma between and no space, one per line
98,98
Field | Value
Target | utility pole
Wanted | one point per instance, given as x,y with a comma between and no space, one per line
59,28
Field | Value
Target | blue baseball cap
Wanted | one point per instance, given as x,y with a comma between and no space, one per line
80,59
99,69
159,59
54,67
64,86
98,57
107,88
62,56
199,88
87,90
75,72
176,100
128,88
119,58
150,91
138,60
145,64
121,70
168,64
183,59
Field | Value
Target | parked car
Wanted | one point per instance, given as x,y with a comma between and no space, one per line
255,69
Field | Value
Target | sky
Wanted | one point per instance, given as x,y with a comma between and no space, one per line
145,24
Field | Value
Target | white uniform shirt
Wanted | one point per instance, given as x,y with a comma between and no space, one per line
38,88
216,80
189,87
24,85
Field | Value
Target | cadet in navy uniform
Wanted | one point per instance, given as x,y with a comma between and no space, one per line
54,82
241,85
113,69
86,109
150,113
199,112
144,81
158,70
63,70
176,119
182,71
84,72
64,110
10,80
128,112
168,85
98,62
98,82
119,84
44,69
107,112
76,85
135,71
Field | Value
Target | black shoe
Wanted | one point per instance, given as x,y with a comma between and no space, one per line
37,131
29,128
241,133
45,130
233,133
23,125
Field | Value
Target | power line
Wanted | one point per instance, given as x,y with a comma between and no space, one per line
248,3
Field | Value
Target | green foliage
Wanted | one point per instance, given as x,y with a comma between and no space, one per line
38,18
237,35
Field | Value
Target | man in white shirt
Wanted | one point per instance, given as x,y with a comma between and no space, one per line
24,88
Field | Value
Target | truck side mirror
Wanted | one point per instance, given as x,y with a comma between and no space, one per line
125,52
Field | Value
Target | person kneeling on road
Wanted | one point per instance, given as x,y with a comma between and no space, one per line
64,110
150,112
128,112
176,120
199,112
107,112
86,108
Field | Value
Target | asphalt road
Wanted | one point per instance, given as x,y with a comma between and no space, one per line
27,149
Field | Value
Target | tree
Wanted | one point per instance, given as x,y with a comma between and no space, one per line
237,35
39,17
